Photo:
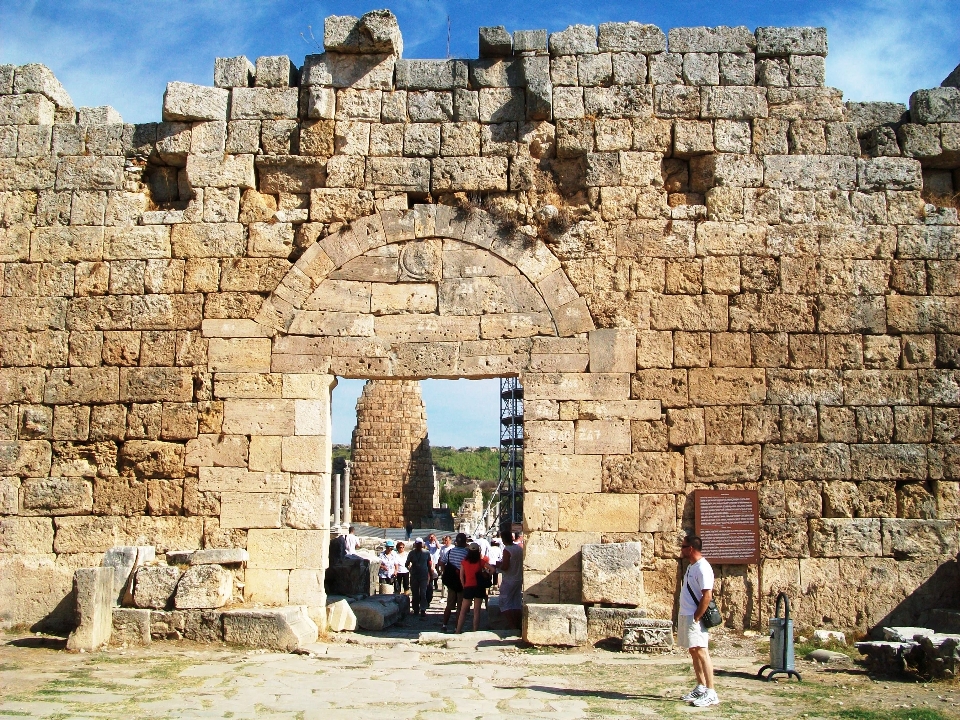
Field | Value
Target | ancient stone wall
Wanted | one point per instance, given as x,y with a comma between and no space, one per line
707,269
392,473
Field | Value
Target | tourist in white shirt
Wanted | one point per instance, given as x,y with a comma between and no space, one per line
695,596
401,582
388,566
351,542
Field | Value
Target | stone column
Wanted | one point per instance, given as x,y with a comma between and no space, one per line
347,510
336,502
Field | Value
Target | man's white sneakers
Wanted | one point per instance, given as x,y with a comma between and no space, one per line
707,699
697,692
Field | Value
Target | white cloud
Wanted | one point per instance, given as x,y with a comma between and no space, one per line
886,49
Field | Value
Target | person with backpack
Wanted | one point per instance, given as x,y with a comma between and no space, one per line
450,576
420,566
475,580
695,597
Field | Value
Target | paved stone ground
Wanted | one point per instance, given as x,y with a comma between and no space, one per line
406,675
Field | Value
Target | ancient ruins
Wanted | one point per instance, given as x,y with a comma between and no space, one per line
706,268
392,478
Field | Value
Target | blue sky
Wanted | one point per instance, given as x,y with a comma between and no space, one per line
123,54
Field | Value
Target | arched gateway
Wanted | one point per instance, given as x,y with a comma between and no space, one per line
438,292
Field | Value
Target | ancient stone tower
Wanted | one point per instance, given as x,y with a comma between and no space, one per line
392,477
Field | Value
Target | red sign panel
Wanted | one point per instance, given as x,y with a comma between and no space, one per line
728,522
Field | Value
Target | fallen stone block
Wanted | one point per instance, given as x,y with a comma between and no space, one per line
647,635
905,634
154,586
340,617
939,657
220,556
822,636
564,625
123,560
351,574
607,623
286,628
131,627
93,588
885,657
204,586
821,655
378,612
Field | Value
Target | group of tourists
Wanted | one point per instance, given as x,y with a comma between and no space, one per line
466,568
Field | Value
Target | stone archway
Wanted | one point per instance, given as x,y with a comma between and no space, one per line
428,292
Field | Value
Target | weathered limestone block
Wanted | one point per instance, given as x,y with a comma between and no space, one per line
26,536
188,103
603,512
842,537
807,461
155,585
286,628
204,586
93,588
219,556
605,624
562,473
562,625
340,617
375,32
612,573
130,627
918,539
124,560
643,472
377,613
722,463
647,635
56,496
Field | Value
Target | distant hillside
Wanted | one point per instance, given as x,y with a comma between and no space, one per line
458,469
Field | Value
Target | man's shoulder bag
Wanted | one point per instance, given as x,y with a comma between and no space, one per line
712,617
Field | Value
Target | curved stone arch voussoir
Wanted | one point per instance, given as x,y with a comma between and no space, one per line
533,259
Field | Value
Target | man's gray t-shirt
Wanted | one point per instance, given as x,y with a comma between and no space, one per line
419,563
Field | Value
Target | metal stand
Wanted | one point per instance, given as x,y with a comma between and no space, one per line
781,644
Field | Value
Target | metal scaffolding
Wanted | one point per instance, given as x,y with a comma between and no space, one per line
510,488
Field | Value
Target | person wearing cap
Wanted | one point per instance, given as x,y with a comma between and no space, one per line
420,566
450,576
401,580
388,567
470,568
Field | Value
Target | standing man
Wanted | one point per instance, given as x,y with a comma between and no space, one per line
421,569
409,528
351,542
695,596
